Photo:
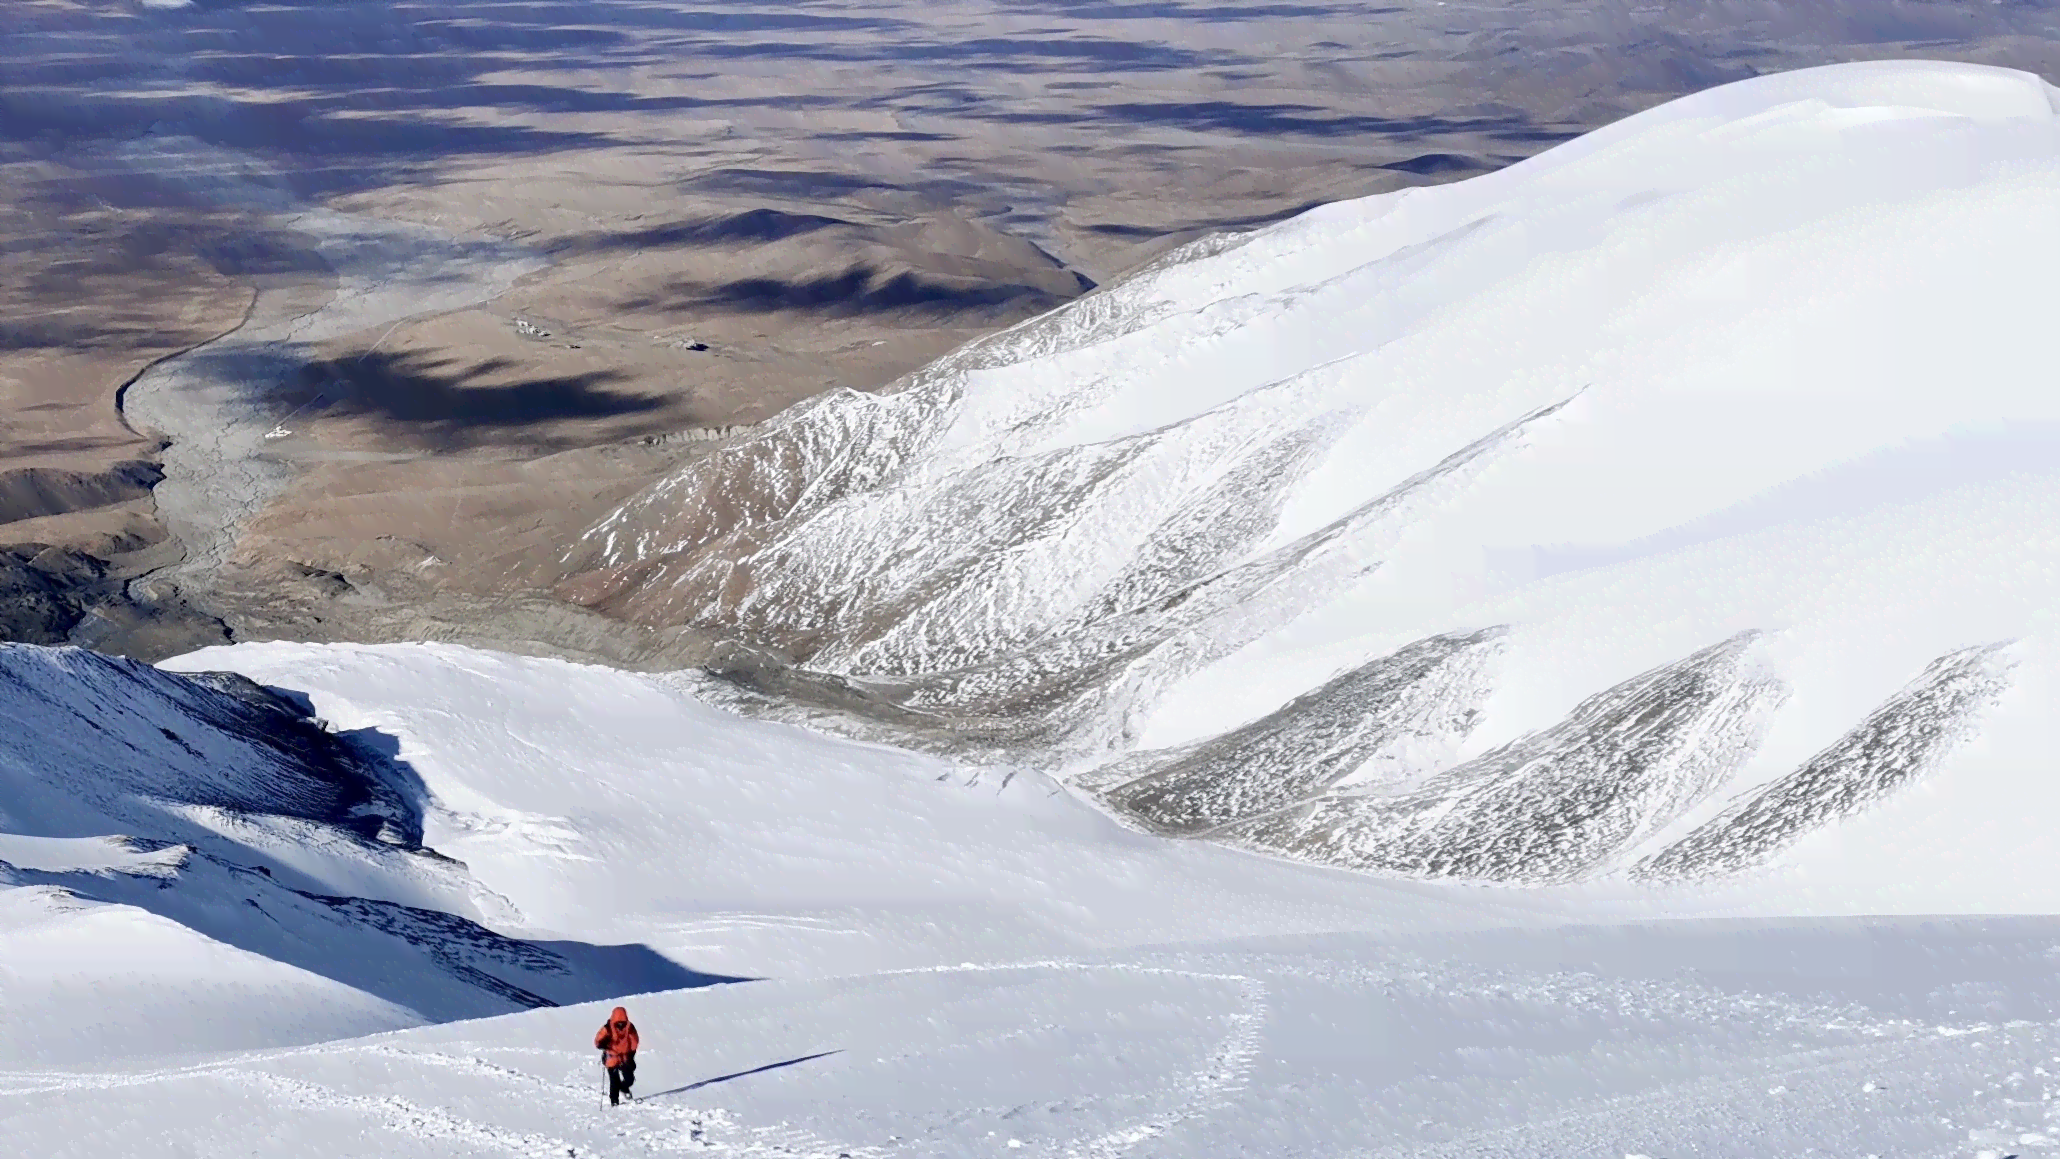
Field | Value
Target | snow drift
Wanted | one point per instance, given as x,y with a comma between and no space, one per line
212,819
1498,530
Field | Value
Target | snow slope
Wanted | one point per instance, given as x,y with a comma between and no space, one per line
254,858
1646,1042
955,966
1733,418
619,807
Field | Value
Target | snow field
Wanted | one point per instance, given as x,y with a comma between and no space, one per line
1839,1039
610,806
1205,1003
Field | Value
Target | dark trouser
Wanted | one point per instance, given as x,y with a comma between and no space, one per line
620,1078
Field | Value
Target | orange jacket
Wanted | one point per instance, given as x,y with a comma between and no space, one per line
617,1037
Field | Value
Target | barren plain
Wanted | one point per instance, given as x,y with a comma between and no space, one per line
336,320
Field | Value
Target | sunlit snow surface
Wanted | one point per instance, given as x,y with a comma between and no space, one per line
1662,530
957,963
1769,365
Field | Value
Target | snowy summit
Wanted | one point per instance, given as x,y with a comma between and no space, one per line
1700,471
1557,664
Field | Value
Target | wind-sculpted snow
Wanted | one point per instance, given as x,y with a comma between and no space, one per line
1081,689
845,443
87,738
1558,805
926,575
1898,743
1379,724
218,804
437,965
798,462
1765,358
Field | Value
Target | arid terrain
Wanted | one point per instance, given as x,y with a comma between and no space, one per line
338,320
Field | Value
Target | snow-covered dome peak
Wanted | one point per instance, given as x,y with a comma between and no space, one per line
1745,402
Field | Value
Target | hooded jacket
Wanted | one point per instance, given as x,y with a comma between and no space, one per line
617,1038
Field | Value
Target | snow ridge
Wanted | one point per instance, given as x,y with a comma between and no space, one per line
1373,723
221,805
1896,745
1558,805
1082,687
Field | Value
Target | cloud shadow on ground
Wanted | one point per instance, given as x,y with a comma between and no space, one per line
446,403
1294,120
857,290
748,227
1211,225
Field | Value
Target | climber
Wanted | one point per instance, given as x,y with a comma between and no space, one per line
617,1042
